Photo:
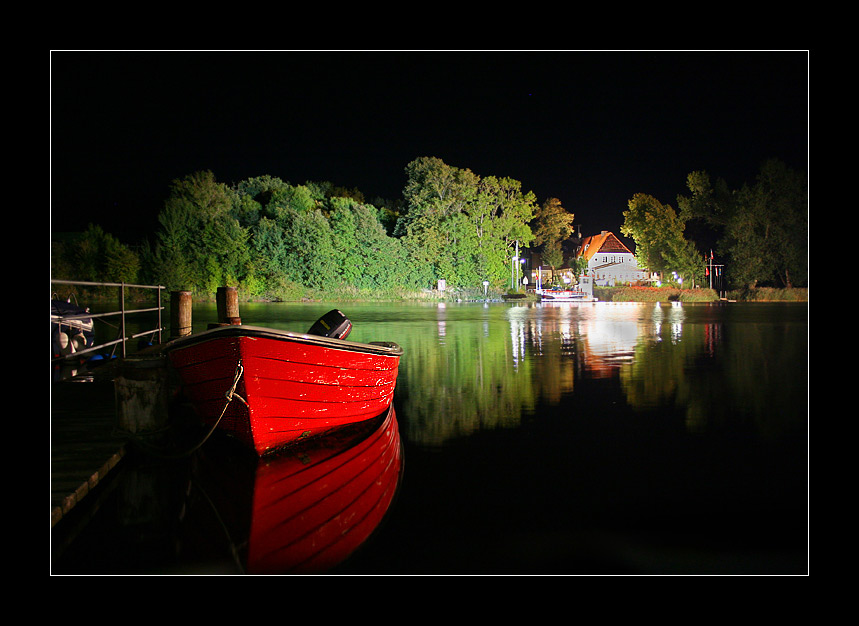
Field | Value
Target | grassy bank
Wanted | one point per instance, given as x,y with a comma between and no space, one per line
671,294
654,294
770,294
346,293
294,292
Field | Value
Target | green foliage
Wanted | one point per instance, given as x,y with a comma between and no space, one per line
658,233
768,235
552,224
200,245
461,228
281,241
367,258
95,256
553,254
762,228
579,266
277,241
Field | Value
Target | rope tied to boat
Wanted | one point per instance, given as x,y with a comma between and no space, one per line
231,392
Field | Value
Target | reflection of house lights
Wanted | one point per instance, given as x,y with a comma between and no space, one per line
603,336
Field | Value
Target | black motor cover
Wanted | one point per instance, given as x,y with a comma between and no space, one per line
333,324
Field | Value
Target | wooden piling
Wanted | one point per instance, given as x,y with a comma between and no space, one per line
142,393
228,306
180,313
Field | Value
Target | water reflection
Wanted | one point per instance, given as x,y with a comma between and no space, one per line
487,367
303,511
469,367
662,428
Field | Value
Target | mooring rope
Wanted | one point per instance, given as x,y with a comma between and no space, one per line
229,395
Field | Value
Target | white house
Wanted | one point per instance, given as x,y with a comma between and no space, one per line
609,261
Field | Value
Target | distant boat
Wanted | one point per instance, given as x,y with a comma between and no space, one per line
270,388
565,295
71,329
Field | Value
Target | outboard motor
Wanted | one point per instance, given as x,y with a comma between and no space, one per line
333,324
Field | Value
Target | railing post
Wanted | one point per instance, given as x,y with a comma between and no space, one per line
123,313
122,322
158,306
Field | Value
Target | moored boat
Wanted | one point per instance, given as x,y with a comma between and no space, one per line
71,329
565,295
270,388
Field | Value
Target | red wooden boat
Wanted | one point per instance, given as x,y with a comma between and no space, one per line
270,388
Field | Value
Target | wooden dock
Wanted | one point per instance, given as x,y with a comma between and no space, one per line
86,443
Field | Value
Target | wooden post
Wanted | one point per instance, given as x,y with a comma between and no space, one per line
228,306
180,313
142,390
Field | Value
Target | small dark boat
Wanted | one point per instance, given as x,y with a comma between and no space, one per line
270,388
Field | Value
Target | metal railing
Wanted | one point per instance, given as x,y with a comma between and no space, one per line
122,313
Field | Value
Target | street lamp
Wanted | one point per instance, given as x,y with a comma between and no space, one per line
514,270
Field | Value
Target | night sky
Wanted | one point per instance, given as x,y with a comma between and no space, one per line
590,128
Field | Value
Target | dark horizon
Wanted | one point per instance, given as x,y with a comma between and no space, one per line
590,128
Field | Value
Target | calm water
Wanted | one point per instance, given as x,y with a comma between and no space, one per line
557,438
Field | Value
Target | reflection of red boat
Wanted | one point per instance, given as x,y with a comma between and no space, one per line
313,505
270,387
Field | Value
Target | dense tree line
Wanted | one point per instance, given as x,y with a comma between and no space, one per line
274,239
277,240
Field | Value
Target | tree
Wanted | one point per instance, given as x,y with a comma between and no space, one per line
552,223
436,196
553,254
659,241
504,213
768,235
97,256
367,257
651,225
762,228
551,226
269,247
311,258
200,245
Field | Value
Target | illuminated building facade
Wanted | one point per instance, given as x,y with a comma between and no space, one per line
610,262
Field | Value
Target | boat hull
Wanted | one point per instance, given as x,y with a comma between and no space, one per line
270,388
71,329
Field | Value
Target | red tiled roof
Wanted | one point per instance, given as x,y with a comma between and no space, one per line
604,242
